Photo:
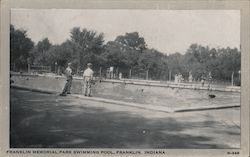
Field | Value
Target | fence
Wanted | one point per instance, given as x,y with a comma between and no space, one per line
126,73
38,69
118,73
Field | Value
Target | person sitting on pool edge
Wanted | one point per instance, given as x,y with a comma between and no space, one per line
87,80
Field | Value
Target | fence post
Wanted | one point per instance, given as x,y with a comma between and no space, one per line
28,68
55,67
170,72
130,73
100,72
116,75
239,75
58,70
232,79
147,75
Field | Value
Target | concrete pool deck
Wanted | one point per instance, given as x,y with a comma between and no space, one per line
40,120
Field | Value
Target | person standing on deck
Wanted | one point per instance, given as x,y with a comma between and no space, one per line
69,78
202,81
87,80
209,80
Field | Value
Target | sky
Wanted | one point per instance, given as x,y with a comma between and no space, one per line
168,31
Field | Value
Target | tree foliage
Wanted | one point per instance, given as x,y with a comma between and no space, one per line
40,53
20,46
87,46
127,52
220,62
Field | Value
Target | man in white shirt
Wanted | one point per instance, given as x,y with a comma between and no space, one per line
87,79
69,78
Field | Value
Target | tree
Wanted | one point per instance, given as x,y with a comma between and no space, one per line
155,63
131,41
220,62
88,46
129,51
175,64
124,52
20,45
229,62
40,54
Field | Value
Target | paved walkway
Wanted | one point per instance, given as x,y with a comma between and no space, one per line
48,120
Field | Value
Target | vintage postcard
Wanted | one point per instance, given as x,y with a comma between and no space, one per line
115,78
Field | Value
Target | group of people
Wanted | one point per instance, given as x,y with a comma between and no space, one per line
178,78
87,80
